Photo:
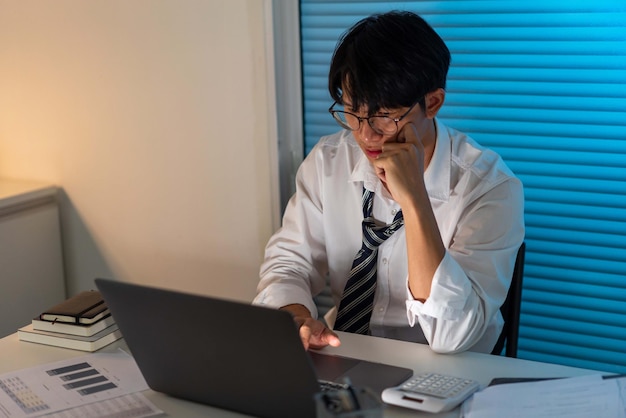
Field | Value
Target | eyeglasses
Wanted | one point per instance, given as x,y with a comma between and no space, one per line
382,125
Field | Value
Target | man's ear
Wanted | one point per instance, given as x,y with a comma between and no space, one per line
433,102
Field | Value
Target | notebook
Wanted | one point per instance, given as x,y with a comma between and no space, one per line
228,354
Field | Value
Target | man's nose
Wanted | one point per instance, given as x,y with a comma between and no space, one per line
368,134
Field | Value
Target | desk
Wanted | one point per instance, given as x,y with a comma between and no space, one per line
482,367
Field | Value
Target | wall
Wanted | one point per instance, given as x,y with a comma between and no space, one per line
156,118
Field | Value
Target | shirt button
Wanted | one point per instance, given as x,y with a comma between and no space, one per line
393,212
381,309
384,261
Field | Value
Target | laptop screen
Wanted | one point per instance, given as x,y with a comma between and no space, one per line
223,353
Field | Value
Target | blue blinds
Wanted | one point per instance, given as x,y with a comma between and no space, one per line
544,84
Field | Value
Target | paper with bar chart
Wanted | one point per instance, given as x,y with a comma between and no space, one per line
74,383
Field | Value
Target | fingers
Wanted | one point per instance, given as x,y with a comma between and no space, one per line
331,338
314,334
407,136
305,335
408,139
408,133
326,338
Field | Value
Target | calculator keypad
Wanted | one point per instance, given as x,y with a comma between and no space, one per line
437,385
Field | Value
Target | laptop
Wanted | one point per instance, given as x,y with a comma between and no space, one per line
228,354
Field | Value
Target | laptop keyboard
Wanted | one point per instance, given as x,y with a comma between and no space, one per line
326,385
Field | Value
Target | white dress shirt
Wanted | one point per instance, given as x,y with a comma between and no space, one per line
478,204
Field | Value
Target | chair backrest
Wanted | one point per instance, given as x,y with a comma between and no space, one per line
511,309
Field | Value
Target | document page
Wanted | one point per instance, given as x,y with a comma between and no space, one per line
106,378
576,397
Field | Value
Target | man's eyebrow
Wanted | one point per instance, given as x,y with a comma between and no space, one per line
383,112
348,106
379,112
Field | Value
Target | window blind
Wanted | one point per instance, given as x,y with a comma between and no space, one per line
544,84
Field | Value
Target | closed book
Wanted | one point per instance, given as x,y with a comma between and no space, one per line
85,330
74,342
86,307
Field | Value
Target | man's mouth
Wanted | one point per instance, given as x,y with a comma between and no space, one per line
372,153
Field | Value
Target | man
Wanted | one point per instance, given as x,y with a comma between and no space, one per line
414,225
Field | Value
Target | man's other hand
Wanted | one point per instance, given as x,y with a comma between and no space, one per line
313,333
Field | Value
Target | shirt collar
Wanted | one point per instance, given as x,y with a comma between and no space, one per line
436,177
364,172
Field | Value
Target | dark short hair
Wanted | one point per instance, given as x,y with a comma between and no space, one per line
388,60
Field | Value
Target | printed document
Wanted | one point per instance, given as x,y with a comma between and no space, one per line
80,387
575,397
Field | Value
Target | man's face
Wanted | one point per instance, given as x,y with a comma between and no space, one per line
370,141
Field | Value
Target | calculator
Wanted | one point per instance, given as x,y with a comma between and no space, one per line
431,392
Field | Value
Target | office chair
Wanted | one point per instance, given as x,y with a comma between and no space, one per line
511,309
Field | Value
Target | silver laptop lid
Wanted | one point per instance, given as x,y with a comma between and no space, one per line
222,353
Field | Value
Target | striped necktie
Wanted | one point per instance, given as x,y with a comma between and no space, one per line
355,308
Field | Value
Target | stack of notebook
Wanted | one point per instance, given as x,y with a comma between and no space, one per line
82,322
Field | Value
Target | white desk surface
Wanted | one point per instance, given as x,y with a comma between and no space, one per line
17,354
